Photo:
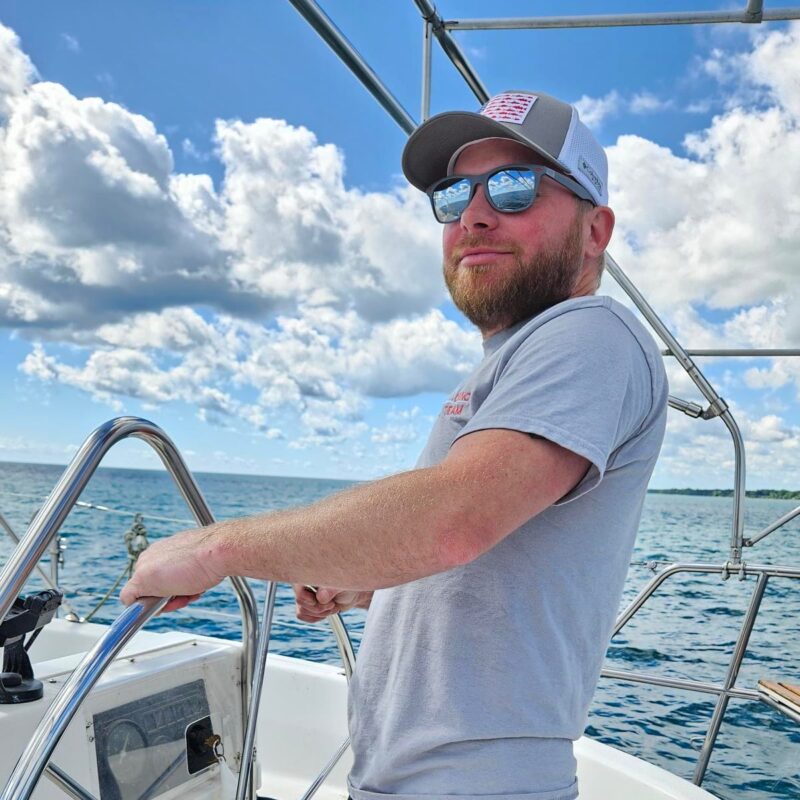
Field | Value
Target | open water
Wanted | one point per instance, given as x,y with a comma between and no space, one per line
686,631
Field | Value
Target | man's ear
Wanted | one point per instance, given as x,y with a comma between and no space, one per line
600,222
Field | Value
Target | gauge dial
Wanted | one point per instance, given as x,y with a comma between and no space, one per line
126,751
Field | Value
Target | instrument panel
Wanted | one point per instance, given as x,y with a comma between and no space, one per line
141,746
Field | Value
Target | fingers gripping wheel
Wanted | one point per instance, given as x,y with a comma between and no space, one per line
27,615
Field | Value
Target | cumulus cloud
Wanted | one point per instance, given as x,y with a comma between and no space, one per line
17,71
298,232
722,220
316,368
700,452
311,287
95,223
284,285
593,110
648,103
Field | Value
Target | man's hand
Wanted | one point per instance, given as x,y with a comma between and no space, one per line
316,606
181,567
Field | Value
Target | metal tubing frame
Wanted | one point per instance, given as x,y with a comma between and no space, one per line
717,406
345,645
67,784
730,679
52,514
728,689
626,20
326,770
754,11
73,615
678,683
336,40
425,101
452,50
349,663
768,352
779,523
246,773
59,714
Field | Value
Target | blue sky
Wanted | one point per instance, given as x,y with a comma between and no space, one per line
221,239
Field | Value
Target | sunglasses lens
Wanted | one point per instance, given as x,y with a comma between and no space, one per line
512,190
450,198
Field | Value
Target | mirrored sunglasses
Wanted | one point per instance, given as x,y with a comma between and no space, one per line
508,189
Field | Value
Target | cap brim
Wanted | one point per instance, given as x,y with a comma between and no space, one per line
428,150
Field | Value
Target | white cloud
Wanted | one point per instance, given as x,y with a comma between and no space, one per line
648,103
97,224
317,368
190,149
700,452
297,232
722,221
16,72
71,42
316,296
593,110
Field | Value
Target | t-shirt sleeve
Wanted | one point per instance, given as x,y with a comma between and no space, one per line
580,380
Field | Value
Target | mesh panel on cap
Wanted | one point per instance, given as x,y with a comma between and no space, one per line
582,144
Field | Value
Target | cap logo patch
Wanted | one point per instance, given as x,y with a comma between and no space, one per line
509,107
586,168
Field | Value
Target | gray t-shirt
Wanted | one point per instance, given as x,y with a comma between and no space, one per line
475,682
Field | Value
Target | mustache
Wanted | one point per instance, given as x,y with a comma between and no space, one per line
472,240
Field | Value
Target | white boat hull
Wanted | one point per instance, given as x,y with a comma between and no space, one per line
301,723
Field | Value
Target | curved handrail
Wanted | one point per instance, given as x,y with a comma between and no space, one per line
41,745
61,500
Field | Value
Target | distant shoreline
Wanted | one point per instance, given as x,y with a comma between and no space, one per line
772,494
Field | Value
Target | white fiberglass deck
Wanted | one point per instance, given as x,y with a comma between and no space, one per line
301,724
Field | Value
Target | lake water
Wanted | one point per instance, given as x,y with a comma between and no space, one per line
686,631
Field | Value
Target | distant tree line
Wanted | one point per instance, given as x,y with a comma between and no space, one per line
774,494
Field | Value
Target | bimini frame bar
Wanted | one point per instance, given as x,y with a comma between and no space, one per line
753,14
452,50
336,40
62,499
768,352
717,406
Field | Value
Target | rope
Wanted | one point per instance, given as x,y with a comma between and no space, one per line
125,572
98,507
136,543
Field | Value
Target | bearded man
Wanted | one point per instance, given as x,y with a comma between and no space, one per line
492,570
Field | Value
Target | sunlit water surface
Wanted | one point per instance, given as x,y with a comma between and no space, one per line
686,631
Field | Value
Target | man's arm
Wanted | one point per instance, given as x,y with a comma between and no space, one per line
380,534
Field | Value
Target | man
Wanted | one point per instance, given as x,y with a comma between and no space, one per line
497,564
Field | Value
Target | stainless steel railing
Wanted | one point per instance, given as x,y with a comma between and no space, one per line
727,689
49,580
62,499
246,776
717,406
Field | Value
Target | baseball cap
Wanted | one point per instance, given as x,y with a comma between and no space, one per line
547,125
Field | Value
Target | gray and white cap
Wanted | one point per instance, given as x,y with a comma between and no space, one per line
547,125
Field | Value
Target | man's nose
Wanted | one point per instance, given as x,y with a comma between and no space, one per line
479,214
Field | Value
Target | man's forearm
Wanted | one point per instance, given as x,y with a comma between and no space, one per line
375,535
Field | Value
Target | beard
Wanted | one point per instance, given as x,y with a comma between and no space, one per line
533,285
